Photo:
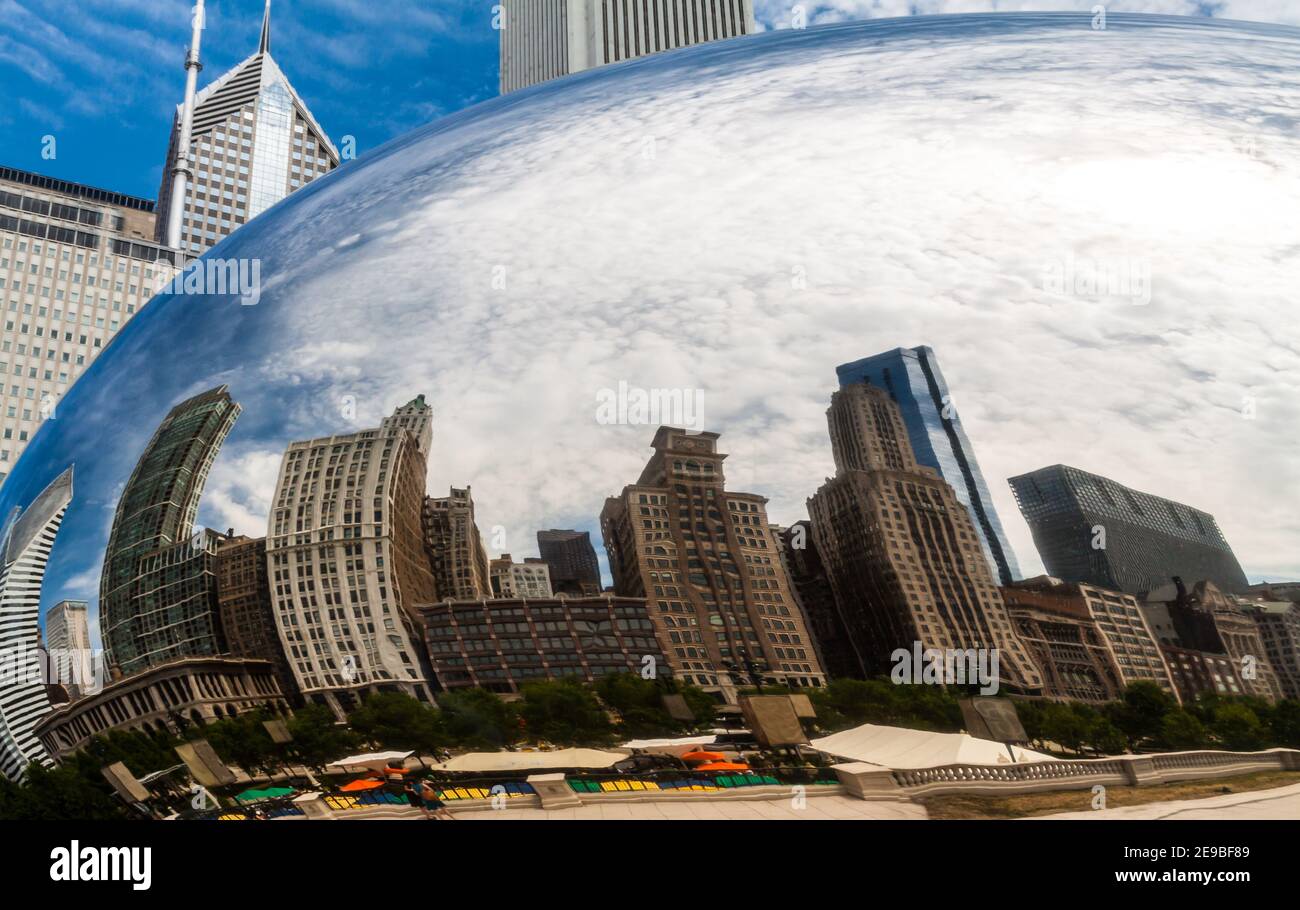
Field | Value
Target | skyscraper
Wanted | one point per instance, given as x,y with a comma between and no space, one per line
574,567
911,377
901,551
25,544
707,562
67,641
157,597
247,613
812,592
460,564
76,263
1092,529
345,548
545,39
254,142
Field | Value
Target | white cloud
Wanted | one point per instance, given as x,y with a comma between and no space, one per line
781,13
646,226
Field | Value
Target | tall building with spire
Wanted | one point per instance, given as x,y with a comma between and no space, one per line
157,593
254,141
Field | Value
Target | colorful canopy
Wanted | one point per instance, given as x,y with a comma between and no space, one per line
249,796
703,755
358,785
722,766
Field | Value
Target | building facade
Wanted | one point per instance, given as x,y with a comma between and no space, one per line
254,142
451,535
575,570
502,644
345,549
530,578
1203,618
1131,640
912,378
170,697
76,263
903,556
244,605
1198,673
546,39
1279,630
1091,529
25,544
812,593
706,560
157,595
67,642
1089,642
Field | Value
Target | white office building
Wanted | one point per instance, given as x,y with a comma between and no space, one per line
545,39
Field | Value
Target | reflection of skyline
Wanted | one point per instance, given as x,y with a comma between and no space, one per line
378,281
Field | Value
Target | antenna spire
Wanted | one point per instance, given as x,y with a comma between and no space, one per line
265,46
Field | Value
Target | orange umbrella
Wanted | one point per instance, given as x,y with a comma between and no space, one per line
723,766
703,756
358,785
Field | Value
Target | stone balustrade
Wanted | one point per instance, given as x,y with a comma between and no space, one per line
875,782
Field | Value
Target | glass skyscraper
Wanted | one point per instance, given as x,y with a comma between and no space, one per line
912,378
1146,541
157,598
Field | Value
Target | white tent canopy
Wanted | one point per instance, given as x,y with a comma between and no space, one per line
683,743
529,761
900,748
373,760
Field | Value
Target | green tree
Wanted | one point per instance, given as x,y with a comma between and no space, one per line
394,720
478,719
564,711
1140,714
1103,736
1238,728
1284,724
58,794
243,741
1065,726
1181,730
318,737
1031,718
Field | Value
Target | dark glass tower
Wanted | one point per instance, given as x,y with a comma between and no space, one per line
911,377
1147,539
574,567
157,597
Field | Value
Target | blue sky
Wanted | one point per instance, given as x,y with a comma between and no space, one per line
104,80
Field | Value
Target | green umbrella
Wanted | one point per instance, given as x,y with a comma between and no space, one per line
249,796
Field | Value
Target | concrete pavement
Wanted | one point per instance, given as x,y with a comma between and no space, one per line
1281,803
